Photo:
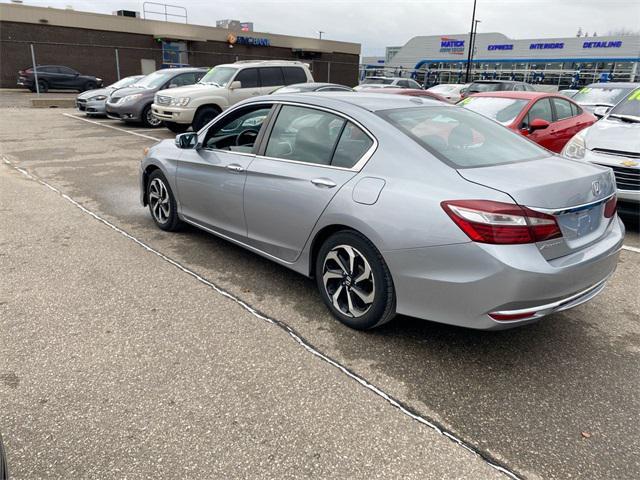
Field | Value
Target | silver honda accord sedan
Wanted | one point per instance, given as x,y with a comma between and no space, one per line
395,205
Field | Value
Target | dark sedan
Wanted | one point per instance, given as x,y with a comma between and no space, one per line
57,77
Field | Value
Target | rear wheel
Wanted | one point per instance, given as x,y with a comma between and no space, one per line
354,281
148,119
42,85
162,203
176,127
204,116
90,85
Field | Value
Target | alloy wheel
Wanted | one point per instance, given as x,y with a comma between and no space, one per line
151,120
159,200
348,280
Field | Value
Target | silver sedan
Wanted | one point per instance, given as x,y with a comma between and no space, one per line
395,205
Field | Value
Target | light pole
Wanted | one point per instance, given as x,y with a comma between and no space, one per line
473,44
473,23
320,32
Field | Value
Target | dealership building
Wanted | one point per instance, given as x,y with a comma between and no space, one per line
562,62
114,46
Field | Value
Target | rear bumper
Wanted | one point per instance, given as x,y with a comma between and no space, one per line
173,114
461,284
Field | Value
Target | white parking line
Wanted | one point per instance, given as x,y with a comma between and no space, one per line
631,249
404,409
111,126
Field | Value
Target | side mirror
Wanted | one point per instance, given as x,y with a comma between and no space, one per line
538,124
601,111
187,140
172,85
235,85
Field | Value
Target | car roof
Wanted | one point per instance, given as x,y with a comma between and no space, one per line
316,84
372,102
518,95
183,69
497,81
615,84
263,63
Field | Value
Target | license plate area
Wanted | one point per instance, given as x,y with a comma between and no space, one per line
582,226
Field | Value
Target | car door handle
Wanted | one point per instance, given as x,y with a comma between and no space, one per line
234,167
323,183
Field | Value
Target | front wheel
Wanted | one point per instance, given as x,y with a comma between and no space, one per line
162,203
176,127
204,116
354,281
148,119
89,86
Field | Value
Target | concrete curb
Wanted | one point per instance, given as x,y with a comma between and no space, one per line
53,102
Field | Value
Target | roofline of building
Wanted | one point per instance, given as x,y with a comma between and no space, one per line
159,29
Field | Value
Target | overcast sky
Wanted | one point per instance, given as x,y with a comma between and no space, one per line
376,24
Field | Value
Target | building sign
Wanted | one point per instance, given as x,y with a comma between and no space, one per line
546,46
612,44
253,41
508,46
451,45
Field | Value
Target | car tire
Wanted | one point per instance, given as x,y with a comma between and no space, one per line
366,280
90,85
43,86
204,116
162,203
176,127
148,120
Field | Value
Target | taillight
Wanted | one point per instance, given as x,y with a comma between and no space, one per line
610,207
486,221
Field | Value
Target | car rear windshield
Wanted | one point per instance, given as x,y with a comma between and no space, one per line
485,87
219,76
629,107
503,110
461,138
442,88
377,81
601,95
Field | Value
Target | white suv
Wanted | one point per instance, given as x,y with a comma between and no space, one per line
223,86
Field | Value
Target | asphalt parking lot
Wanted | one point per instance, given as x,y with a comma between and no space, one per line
119,363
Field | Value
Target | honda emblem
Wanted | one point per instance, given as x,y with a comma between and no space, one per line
595,188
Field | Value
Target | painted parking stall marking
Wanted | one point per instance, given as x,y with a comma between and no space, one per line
398,404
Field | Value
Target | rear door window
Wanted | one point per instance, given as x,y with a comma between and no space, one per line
563,108
304,135
352,146
271,77
294,75
248,77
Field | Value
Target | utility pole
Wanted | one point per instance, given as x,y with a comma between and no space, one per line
473,41
473,22
320,32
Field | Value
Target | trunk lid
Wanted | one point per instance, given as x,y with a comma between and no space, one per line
573,192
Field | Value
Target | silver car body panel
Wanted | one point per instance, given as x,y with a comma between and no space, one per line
272,208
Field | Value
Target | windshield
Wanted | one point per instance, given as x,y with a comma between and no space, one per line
601,95
630,106
377,81
503,110
485,87
461,138
154,80
218,76
125,82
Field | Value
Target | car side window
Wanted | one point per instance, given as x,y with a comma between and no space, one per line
47,69
271,77
238,131
518,88
402,83
575,109
66,71
294,75
304,134
563,108
248,77
352,145
413,84
183,79
541,109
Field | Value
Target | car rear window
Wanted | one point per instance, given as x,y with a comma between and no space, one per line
500,109
461,138
294,75
485,87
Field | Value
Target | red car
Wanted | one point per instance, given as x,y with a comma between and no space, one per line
548,119
411,92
